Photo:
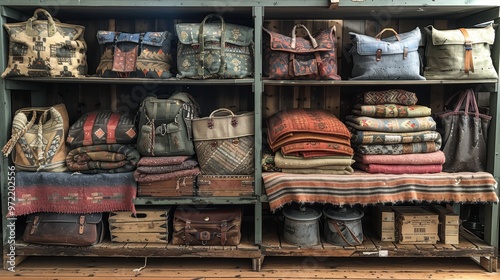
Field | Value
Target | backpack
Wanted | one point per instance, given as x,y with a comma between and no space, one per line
165,125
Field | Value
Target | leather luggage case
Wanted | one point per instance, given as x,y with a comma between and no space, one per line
64,229
183,186
225,185
207,226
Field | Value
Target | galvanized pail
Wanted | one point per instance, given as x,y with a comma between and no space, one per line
343,226
301,226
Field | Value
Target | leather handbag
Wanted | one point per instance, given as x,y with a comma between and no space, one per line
135,55
38,139
46,48
224,142
214,49
392,58
459,54
165,125
314,57
64,229
465,134
102,127
207,226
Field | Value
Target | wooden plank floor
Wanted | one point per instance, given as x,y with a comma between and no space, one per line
274,268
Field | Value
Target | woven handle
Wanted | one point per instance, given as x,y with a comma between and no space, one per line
51,25
294,36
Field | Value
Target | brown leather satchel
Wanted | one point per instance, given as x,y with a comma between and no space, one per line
64,229
207,226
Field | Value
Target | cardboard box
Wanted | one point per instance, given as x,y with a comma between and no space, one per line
449,224
383,222
146,226
416,225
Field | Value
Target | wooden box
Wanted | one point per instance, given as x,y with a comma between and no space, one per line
146,226
184,186
225,185
449,224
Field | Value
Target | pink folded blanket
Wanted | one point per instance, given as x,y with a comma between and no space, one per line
436,157
399,168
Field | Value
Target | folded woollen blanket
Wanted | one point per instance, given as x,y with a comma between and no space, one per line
392,96
187,164
391,124
161,161
342,170
399,168
398,149
391,111
375,137
149,178
289,162
114,158
433,158
309,149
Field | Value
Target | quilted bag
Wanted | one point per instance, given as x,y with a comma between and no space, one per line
102,127
459,53
224,143
45,48
392,58
314,57
165,125
135,55
214,49
64,229
38,139
207,226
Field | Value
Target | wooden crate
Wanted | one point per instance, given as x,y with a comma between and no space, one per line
225,185
184,186
146,226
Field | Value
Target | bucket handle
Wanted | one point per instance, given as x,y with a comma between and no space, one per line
336,226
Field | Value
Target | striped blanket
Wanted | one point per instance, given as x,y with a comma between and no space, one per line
368,189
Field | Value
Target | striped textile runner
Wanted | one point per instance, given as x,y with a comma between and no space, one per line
366,189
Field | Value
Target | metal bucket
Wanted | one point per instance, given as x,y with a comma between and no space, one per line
301,226
343,226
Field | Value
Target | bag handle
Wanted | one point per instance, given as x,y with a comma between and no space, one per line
387,29
211,123
51,29
221,110
7,149
336,226
294,36
201,40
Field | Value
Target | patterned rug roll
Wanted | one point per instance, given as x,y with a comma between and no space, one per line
392,96
391,111
375,137
398,149
391,124
115,158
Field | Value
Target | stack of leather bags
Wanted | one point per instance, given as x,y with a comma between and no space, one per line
391,134
310,141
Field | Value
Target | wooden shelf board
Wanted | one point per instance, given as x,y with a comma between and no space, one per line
373,82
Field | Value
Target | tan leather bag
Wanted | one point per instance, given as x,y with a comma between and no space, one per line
224,142
38,139
207,226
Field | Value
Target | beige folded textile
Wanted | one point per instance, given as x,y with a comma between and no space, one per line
283,162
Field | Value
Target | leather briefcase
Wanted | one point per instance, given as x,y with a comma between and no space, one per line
207,226
64,229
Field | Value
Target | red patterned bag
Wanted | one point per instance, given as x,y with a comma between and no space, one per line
312,58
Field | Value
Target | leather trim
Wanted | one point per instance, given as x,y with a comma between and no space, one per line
111,128
87,129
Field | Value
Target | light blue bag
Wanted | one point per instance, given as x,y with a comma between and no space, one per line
391,58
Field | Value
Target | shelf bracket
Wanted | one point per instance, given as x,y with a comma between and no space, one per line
334,4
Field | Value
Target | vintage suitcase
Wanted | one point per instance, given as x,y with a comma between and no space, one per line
225,185
182,186
148,225
64,229
207,226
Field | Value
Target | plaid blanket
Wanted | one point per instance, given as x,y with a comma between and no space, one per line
369,189
65,192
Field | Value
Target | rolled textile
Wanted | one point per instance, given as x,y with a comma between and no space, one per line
114,158
309,149
393,96
391,111
287,123
398,149
161,161
343,170
290,162
375,137
391,124
187,164
436,157
149,178
399,168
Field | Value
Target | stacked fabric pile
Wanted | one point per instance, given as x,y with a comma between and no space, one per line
392,134
156,169
309,141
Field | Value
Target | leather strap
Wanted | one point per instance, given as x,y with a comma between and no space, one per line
87,128
469,63
201,41
223,232
111,128
81,221
339,231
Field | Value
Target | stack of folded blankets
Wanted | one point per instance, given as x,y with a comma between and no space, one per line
310,141
391,134
166,168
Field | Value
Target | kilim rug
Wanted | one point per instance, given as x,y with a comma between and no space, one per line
65,192
368,189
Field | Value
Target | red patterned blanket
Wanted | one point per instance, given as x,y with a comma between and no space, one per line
368,189
65,192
